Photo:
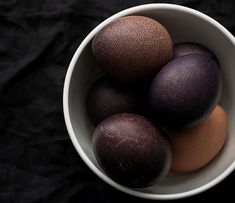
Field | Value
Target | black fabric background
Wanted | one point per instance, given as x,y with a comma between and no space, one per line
38,162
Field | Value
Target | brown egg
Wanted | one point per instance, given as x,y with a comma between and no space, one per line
132,48
193,148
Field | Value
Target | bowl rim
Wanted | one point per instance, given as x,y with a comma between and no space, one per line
66,90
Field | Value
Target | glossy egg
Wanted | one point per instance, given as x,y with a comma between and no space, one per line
195,147
131,150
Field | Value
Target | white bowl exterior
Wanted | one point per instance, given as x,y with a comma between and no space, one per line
183,24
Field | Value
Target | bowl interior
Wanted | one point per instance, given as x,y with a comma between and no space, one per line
184,25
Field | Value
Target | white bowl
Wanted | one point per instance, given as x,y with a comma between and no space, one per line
184,24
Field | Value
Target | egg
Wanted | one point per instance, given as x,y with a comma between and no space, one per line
132,47
195,147
131,150
185,91
107,96
187,48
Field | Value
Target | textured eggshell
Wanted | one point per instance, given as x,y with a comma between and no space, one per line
131,150
185,91
195,147
132,47
182,49
106,97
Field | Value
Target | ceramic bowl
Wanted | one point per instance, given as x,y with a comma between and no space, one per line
184,25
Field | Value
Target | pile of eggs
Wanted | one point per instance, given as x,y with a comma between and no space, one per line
156,108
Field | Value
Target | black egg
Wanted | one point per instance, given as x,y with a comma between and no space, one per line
131,150
187,48
107,97
185,91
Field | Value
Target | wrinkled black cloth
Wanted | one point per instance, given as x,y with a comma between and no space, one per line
38,38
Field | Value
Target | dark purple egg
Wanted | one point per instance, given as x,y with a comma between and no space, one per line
131,150
187,48
185,91
107,97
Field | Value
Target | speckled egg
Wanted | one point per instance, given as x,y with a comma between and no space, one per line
132,47
187,48
185,91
